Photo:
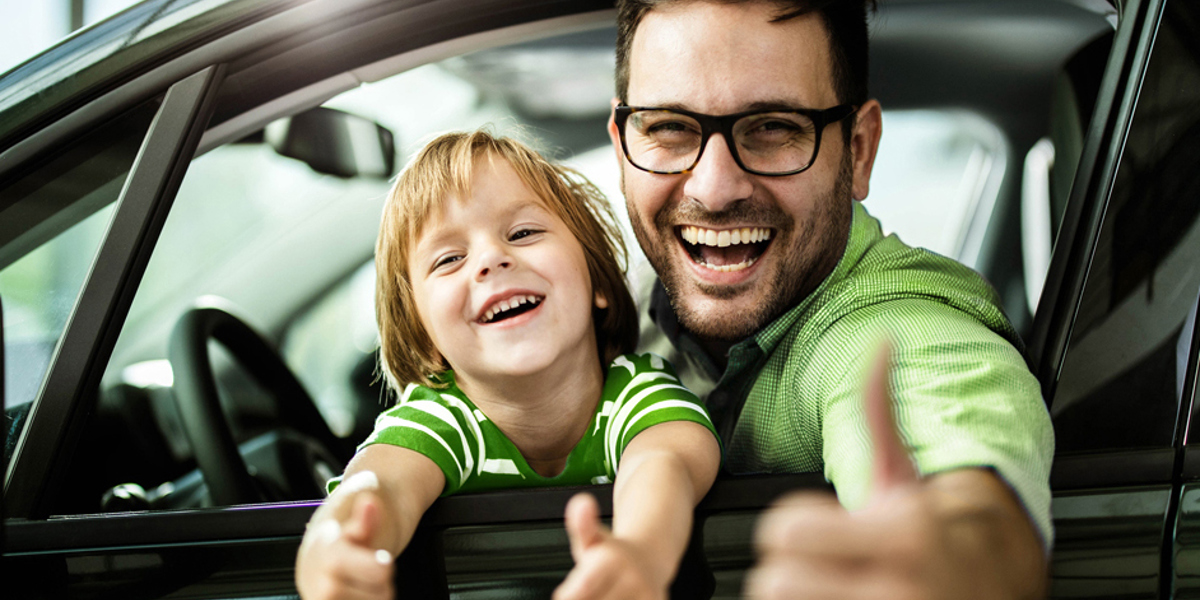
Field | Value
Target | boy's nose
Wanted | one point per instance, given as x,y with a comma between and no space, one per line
492,260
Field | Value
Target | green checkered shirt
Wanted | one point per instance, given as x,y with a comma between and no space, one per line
964,395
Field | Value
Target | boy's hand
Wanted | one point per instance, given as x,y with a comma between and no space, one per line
340,556
605,566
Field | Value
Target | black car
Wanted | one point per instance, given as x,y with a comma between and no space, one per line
189,198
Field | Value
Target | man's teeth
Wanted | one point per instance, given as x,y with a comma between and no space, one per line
507,304
731,268
725,237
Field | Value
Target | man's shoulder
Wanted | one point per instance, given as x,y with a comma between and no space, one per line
894,286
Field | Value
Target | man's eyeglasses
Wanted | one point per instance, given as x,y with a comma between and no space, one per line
762,142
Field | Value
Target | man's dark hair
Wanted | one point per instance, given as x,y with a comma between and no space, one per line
845,20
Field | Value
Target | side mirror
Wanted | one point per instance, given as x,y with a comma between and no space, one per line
335,143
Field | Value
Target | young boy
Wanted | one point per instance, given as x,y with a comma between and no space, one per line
501,294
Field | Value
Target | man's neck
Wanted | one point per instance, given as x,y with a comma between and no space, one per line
717,351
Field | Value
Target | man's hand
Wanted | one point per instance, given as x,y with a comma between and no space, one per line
340,556
605,566
960,534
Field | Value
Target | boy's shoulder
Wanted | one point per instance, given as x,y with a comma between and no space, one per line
415,396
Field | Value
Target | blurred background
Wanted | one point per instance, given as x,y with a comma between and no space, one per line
30,26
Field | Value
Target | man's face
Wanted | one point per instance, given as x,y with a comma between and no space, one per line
720,59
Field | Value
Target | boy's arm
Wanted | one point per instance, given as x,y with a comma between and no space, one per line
664,472
352,539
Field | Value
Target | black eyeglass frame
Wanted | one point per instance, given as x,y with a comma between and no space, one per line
723,124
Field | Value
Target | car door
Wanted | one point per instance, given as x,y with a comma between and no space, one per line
133,142
1114,340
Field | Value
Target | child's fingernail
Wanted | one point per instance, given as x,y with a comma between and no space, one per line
383,557
328,531
363,480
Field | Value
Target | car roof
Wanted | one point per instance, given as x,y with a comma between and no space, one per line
155,34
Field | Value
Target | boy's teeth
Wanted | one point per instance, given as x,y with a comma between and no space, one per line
505,305
726,237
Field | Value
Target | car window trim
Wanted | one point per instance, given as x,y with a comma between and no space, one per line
79,533
1080,229
92,329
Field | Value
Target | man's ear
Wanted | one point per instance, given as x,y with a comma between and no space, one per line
864,143
613,135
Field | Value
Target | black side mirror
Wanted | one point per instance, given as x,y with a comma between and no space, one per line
335,143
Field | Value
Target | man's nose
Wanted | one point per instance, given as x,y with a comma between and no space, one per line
717,181
491,259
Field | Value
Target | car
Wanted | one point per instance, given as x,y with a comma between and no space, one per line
190,193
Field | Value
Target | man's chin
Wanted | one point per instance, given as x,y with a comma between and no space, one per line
722,313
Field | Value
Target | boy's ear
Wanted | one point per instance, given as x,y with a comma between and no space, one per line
601,301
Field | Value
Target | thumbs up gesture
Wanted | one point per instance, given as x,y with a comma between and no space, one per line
605,566
959,534
340,556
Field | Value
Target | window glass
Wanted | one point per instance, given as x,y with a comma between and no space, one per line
52,219
937,171
1122,377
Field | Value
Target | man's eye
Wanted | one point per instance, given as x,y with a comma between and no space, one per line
671,129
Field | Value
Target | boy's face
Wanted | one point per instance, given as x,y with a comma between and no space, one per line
501,284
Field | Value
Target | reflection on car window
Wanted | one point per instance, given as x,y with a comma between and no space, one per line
1121,380
52,220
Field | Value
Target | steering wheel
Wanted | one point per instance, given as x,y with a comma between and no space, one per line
307,450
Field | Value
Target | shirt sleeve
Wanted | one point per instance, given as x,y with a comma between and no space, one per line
963,395
435,424
641,391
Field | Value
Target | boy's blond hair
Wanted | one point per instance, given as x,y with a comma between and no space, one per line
443,169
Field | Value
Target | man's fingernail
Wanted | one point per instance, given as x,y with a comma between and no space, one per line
383,557
363,480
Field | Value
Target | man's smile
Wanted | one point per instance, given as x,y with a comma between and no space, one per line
725,250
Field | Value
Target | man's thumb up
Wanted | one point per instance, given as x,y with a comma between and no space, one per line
892,467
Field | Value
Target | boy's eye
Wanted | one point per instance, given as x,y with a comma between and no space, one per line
445,260
522,233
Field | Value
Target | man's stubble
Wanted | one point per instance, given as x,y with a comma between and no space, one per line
802,268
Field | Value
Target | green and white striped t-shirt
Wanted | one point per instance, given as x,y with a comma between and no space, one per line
640,390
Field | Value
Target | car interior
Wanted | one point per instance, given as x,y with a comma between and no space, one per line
246,369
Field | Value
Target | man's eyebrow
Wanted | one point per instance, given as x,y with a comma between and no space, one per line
753,106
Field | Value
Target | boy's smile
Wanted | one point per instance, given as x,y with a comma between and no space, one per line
501,284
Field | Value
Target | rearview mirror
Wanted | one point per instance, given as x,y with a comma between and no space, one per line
335,143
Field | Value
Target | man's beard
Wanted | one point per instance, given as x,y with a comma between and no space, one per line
801,268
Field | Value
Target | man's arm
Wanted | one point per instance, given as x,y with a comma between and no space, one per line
664,472
958,534
353,538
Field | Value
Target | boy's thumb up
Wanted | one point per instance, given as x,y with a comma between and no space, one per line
583,524
363,525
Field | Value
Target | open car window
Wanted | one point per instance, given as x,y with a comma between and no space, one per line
288,249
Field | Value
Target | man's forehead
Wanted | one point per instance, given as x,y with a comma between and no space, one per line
729,57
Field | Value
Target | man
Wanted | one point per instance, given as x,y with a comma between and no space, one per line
746,138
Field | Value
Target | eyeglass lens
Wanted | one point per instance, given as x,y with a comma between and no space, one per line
769,142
